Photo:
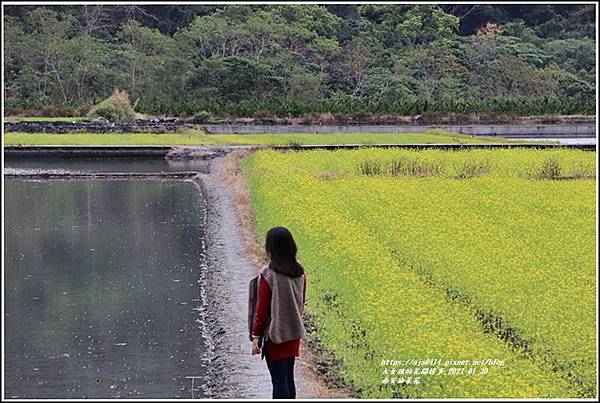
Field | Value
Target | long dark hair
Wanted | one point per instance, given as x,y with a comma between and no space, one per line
282,250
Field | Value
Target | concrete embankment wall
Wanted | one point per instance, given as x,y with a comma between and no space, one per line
573,130
210,152
86,151
545,130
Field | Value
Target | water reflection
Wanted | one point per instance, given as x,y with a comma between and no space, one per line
103,165
102,289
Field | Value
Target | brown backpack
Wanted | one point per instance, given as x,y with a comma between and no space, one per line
253,287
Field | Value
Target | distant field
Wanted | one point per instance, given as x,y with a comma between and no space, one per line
347,138
105,138
194,137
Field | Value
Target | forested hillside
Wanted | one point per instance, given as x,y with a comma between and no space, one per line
289,60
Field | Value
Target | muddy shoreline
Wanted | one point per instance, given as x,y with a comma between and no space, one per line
233,373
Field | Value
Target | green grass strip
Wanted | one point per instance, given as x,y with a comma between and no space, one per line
194,137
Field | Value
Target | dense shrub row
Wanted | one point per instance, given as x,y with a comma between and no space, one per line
520,105
346,111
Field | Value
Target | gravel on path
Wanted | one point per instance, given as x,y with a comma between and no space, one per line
235,372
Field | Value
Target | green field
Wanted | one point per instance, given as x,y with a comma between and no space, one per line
105,138
200,138
462,255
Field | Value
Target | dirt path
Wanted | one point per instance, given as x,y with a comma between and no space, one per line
236,373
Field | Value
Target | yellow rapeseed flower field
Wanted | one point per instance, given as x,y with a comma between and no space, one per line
450,255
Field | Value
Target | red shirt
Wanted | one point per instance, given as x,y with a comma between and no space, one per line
263,312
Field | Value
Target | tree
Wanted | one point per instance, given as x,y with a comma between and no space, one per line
313,18
263,33
93,20
84,64
14,58
47,30
357,58
213,35
402,25
436,25
434,70
323,51
143,51
575,55
235,79
381,84
181,55
557,81
519,29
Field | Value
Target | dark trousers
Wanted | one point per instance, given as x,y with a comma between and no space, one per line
282,377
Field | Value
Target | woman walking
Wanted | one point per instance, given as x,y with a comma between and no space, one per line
278,320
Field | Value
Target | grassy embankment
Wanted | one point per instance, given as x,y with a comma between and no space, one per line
196,137
463,255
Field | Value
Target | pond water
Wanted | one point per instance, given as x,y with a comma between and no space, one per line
103,165
102,283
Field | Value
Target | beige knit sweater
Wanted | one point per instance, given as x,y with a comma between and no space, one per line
287,295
